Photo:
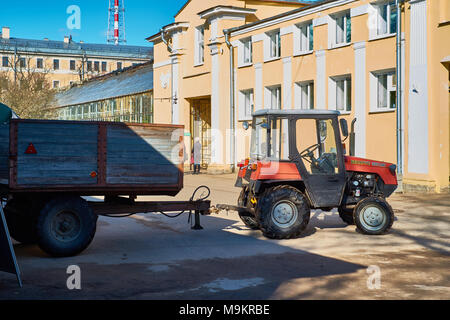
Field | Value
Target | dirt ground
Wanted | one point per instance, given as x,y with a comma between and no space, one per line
153,257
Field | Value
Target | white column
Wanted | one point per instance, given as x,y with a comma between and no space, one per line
175,92
217,145
360,98
258,92
418,161
287,83
321,83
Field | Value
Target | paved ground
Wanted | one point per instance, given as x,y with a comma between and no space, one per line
154,257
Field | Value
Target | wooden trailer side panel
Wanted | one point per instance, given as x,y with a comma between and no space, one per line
137,155
55,153
94,158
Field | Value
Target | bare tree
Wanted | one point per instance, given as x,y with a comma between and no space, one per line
26,90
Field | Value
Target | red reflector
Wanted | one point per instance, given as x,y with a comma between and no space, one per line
94,174
31,149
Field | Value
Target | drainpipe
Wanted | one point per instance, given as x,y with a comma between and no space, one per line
171,71
232,107
398,4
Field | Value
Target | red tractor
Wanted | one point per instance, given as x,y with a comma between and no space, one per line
298,163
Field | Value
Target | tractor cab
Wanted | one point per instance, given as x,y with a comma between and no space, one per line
299,145
298,162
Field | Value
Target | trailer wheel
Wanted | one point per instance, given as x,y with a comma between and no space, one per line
21,221
283,213
346,214
249,222
66,226
373,216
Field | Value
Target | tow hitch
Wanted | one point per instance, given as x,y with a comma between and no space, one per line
243,211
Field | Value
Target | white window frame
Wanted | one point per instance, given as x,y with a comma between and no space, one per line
246,104
375,19
245,52
43,63
248,51
273,97
272,45
304,95
333,29
302,43
333,93
54,84
199,52
7,59
391,86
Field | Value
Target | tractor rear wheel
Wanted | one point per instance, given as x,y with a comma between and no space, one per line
283,213
346,215
373,216
249,222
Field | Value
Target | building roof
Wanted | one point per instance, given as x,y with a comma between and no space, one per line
309,5
129,81
75,48
280,1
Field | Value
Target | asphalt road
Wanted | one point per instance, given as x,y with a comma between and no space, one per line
153,257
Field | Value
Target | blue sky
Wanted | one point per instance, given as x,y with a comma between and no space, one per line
39,19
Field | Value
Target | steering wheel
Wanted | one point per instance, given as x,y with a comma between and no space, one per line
308,153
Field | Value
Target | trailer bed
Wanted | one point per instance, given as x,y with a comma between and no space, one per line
91,158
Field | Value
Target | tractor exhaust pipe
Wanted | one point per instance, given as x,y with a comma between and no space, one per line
352,138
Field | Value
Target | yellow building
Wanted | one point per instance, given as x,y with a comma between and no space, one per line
66,62
332,54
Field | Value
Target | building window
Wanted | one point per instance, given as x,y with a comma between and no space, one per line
96,66
341,93
248,54
245,52
72,65
386,18
40,63
340,29
246,103
273,97
119,65
104,66
89,66
55,64
384,87
273,45
304,39
199,45
305,95
55,84
5,62
22,63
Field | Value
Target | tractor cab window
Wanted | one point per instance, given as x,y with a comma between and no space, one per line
259,138
316,144
270,139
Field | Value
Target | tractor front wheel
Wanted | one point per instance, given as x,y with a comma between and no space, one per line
373,216
283,213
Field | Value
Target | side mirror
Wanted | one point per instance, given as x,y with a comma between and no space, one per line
344,127
245,125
